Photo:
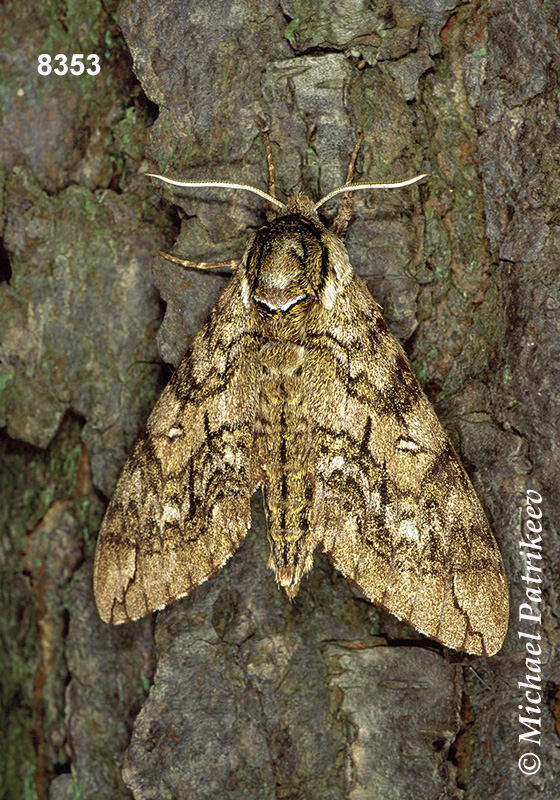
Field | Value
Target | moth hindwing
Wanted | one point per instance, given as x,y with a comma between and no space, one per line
295,384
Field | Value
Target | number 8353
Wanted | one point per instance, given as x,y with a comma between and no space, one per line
76,66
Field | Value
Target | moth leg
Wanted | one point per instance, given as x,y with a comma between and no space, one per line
231,264
264,130
346,204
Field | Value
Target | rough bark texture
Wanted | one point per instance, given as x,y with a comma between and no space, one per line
324,698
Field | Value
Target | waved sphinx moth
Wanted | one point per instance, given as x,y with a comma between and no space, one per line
295,384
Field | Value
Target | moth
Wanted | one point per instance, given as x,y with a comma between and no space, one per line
295,384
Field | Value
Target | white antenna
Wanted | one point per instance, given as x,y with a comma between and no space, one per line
350,187
353,187
218,185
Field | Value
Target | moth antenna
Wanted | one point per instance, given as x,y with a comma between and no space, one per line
353,187
219,185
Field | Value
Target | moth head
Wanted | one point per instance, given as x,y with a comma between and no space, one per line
292,263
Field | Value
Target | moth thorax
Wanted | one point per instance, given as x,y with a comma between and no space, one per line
286,265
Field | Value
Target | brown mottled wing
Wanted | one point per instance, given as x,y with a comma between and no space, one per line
181,505
393,508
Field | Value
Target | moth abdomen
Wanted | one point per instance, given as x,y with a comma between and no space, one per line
285,452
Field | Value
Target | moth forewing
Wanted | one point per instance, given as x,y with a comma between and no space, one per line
181,505
295,383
